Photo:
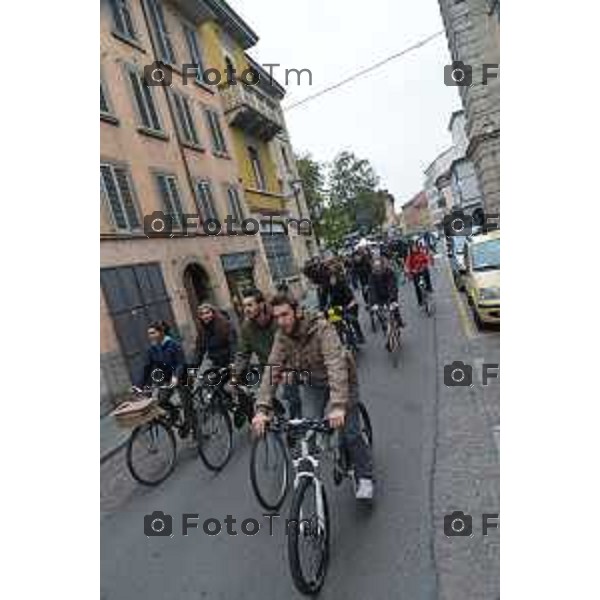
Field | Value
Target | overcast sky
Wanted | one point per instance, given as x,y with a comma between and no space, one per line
396,116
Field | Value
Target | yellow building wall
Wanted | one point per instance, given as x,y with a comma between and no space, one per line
214,57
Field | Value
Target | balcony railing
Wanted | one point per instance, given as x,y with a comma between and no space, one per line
250,110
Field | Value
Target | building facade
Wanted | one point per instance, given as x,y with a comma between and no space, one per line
416,216
473,33
466,194
437,187
187,148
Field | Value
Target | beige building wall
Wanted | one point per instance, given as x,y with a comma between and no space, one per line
123,143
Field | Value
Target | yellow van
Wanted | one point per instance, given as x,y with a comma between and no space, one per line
482,277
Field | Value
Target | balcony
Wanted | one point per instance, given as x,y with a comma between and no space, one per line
250,110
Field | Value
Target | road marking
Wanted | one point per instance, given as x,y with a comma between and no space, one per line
465,321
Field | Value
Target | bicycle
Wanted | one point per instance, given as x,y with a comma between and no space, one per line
427,296
378,315
221,407
309,490
337,317
151,450
392,332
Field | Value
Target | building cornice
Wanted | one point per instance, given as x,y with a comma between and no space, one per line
233,23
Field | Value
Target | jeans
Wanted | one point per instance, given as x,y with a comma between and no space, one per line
427,277
314,401
291,397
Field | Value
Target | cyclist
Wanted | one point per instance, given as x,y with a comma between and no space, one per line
216,336
339,293
165,358
256,337
417,265
383,288
362,267
318,274
305,342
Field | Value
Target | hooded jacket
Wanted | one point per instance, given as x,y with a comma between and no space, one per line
314,348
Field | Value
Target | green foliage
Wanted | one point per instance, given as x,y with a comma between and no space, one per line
349,201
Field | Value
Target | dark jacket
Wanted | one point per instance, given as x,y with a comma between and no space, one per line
383,288
254,339
339,294
216,340
170,354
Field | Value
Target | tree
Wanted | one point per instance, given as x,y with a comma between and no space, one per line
312,174
349,177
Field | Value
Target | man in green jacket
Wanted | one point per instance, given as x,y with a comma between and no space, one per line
256,337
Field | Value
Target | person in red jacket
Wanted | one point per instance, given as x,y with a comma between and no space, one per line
417,265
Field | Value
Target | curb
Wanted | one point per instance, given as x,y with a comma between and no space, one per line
110,453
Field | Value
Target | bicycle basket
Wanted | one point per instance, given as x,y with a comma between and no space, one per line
132,413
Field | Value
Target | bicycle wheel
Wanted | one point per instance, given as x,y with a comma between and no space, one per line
308,536
365,424
215,436
151,452
392,343
269,470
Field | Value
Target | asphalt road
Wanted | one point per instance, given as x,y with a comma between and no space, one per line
425,434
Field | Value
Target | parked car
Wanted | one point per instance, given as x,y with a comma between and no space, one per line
457,260
482,276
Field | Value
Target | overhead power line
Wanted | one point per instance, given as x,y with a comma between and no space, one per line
366,70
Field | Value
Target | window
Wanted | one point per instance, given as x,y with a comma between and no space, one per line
204,201
122,18
234,205
279,255
259,176
216,133
145,101
187,129
157,16
169,193
194,50
115,182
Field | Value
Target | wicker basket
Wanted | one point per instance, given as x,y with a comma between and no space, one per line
132,413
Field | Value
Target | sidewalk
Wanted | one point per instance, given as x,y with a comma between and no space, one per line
112,438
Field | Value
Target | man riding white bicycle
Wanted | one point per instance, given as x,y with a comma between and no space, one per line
306,342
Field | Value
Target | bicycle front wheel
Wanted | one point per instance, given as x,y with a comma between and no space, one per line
214,436
151,453
269,470
308,536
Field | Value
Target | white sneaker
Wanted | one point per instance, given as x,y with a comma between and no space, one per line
364,489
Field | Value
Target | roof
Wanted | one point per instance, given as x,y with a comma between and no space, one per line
233,23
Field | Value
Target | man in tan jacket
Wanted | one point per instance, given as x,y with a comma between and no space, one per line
306,343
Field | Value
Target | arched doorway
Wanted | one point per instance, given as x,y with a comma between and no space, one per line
197,287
